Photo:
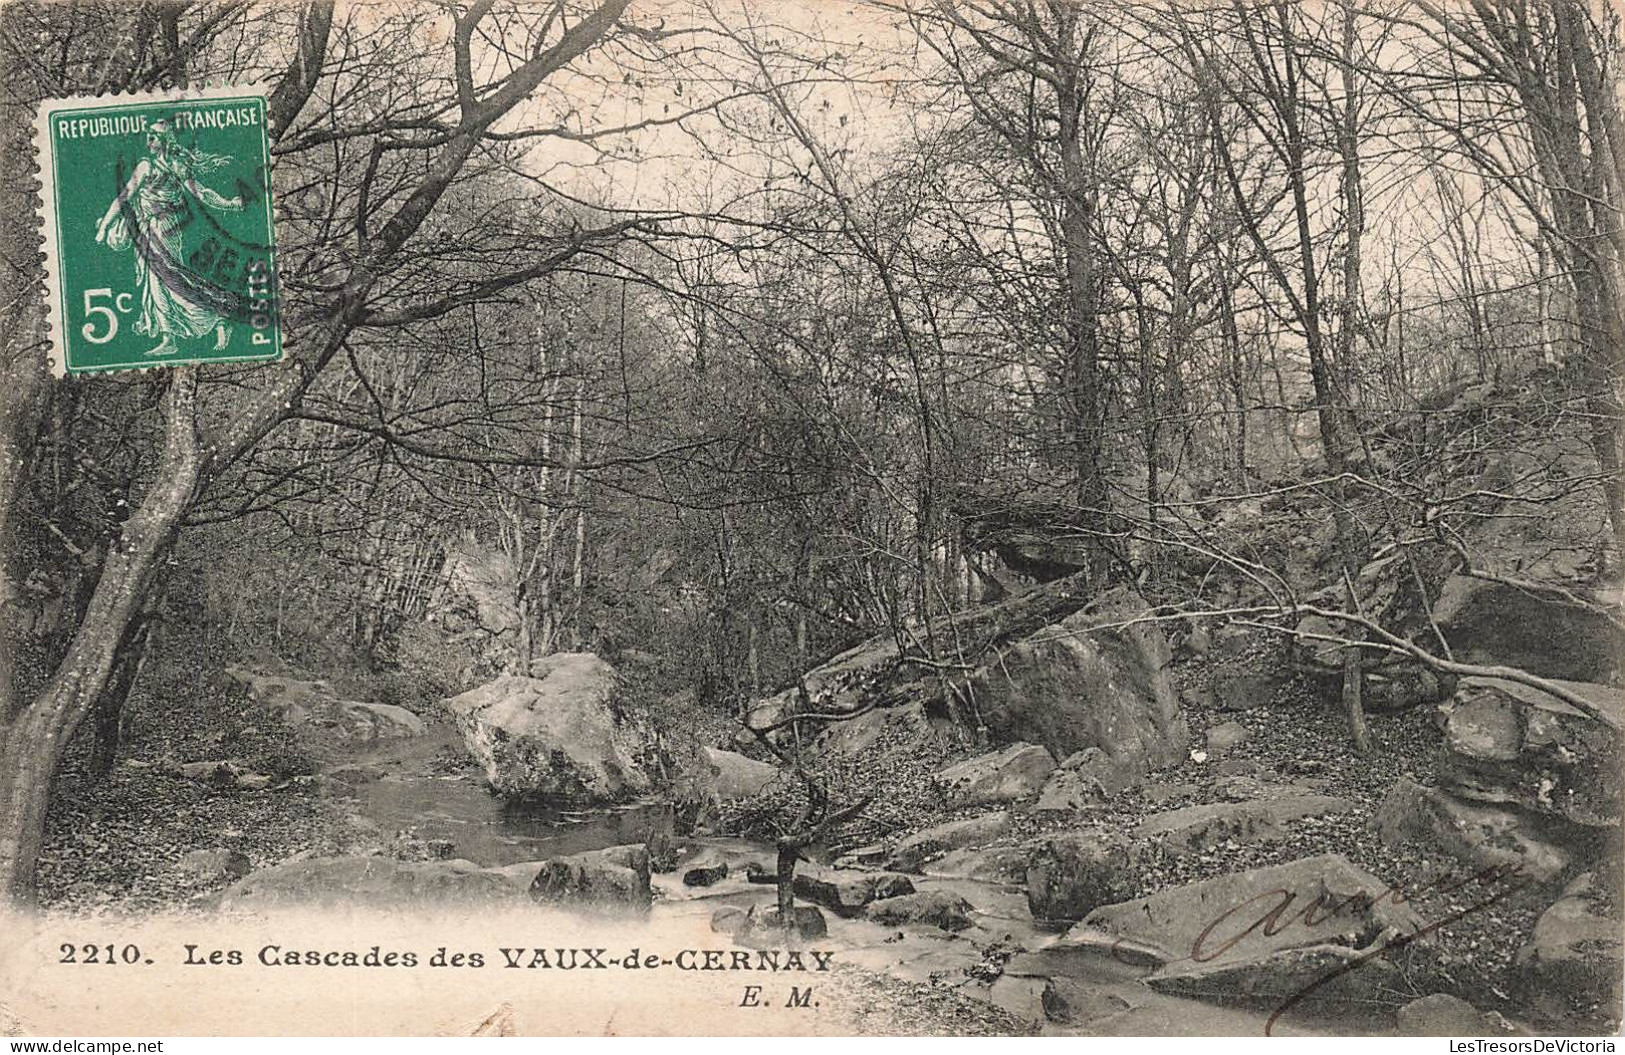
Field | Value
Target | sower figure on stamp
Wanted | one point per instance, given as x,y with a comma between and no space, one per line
153,212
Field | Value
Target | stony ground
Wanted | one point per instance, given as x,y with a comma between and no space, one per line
112,843
1295,737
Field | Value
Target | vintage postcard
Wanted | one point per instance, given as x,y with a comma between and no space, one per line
812,518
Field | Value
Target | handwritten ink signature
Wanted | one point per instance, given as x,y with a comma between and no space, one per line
1271,913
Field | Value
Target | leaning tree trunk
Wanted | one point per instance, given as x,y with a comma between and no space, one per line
31,745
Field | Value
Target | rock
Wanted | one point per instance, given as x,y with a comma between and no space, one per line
847,893
1507,743
729,920
1072,1002
1223,739
598,879
998,864
734,776
1443,1015
1480,835
1008,775
1263,934
382,721
912,853
1070,874
935,908
1028,999
708,873
373,882
214,864
765,926
1089,681
518,875
1576,950
634,856
1487,622
224,774
319,717
553,736
1268,819
1087,777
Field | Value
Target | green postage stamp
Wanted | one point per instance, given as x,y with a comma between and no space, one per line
159,244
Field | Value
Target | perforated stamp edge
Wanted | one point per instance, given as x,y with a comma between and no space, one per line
46,210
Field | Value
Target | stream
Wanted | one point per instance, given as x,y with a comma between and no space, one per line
1096,995
412,794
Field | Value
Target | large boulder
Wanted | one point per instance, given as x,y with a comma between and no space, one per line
1576,949
374,882
1480,835
1508,743
707,870
927,908
993,864
614,878
320,718
556,735
734,776
1267,934
913,852
1013,773
1097,678
1070,874
846,892
1549,535
1265,819
1489,622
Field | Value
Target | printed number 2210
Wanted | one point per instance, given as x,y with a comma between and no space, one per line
121,302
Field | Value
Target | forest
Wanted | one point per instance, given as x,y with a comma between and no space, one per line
993,471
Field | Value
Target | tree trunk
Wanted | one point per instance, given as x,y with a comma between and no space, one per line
20,414
1148,419
110,705
1345,374
31,745
1078,198
524,657
786,873
578,494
